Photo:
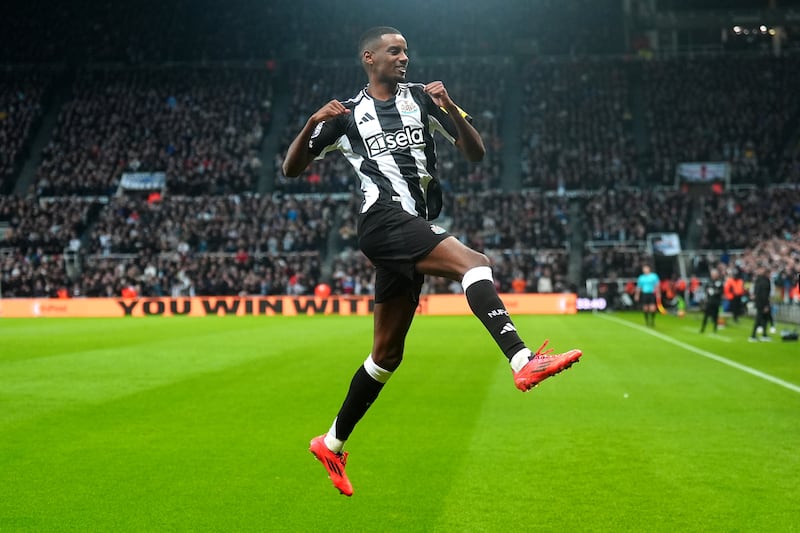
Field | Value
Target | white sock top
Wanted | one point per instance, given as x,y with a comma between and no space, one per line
381,375
335,445
476,274
520,359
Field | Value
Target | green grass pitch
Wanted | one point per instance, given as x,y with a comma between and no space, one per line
202,424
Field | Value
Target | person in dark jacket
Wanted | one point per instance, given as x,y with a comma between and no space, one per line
761,290
713,291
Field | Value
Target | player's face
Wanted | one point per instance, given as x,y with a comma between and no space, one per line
388,58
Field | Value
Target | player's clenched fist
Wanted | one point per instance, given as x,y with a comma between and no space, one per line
334,108
438,93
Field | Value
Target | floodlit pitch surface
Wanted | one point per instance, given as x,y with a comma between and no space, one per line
203,424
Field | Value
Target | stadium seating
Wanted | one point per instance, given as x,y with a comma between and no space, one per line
577,125
604,133
736,108
199,125
22,91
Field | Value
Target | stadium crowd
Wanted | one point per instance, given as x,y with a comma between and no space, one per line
577,125
629,215
230,224
613,126
743,219
22,92
206,243
43,227
200,126
741,109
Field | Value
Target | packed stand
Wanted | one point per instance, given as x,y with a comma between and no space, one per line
32,247
614,261
499,220
22,93
207,245
629,215
48,226
741,219
618,223
200,126
208,275
213,224
781,257
576,131
738,109
224,245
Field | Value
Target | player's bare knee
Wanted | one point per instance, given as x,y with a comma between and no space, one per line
478,261
483,260
388,359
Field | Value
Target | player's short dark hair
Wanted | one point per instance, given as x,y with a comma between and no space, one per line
373,34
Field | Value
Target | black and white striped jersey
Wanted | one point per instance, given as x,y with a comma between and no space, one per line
389,144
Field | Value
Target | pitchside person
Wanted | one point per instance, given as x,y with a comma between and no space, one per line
386,132
648,291
762,287
713,291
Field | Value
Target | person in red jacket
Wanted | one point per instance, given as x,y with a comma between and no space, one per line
734,290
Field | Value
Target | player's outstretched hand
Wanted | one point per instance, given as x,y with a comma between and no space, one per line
332,109
438,93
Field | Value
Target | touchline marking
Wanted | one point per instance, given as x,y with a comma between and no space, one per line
709,355
710,335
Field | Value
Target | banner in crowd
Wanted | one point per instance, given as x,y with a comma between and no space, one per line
668,244
702,172
143,181
435,304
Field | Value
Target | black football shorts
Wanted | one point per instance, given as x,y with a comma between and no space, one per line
395,241
647,298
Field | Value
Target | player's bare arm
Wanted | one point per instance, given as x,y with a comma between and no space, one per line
298,157
469,140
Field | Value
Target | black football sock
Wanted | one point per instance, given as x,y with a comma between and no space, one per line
364,389
487,306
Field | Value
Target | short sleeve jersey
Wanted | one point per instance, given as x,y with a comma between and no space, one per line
389,144
648,282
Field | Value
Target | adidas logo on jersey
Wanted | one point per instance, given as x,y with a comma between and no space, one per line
366,118
395,140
